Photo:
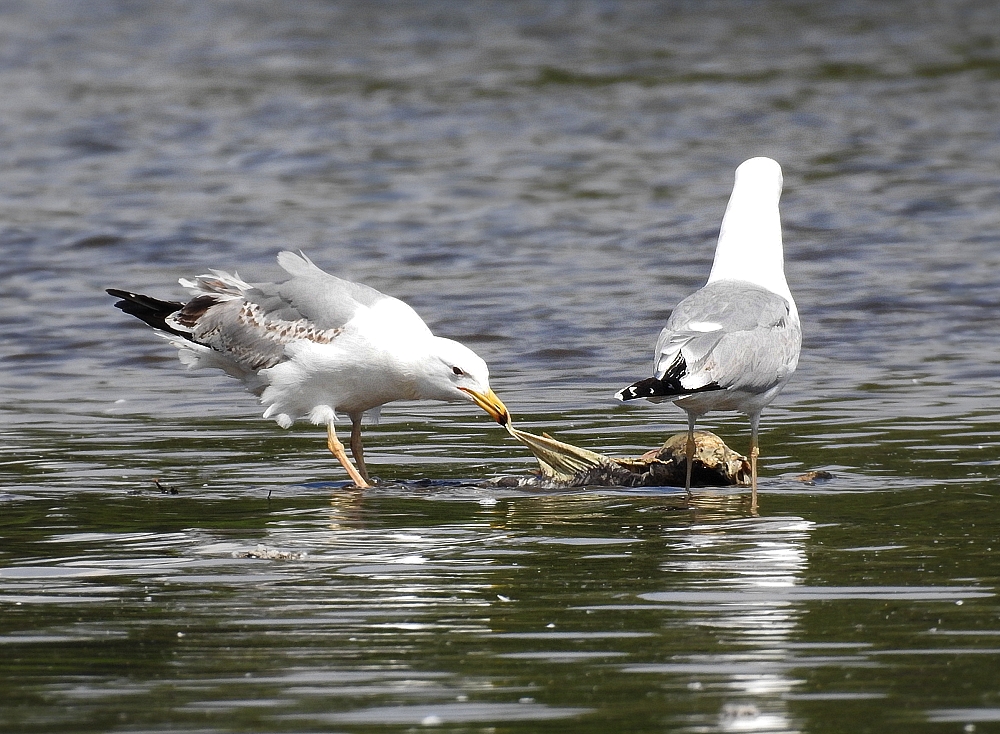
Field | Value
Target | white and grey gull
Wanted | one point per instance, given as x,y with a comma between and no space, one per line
733,344
316,346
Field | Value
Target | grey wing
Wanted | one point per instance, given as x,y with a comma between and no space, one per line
326,301
242,338
246,328
730,335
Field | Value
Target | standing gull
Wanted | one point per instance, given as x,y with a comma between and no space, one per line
315,345
735,343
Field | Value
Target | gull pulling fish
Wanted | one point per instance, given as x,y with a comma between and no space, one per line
315,345
735,343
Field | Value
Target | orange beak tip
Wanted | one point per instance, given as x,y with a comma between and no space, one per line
491,404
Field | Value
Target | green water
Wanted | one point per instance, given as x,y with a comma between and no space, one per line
843,607
542,181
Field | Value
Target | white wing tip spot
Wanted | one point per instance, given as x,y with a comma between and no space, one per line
704,326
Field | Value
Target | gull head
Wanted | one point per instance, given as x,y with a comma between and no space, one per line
750,246
763,173
453,372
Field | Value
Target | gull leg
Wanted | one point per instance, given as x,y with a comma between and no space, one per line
337,449
754,452
356,448
689,454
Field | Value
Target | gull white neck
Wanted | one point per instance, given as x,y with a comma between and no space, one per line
749,246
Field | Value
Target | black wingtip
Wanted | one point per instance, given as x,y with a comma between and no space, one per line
150,310
648,388
652,388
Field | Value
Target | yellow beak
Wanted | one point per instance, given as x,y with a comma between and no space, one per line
489,402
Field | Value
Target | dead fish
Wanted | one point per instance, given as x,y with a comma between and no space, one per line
564,465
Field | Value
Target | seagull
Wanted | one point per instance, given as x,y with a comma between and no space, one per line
315,345
735,343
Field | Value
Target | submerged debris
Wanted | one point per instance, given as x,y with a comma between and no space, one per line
266,553
164,489
811,477
564,465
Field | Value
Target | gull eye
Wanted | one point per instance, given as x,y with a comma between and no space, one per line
457,371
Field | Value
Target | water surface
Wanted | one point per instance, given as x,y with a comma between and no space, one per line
542,181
